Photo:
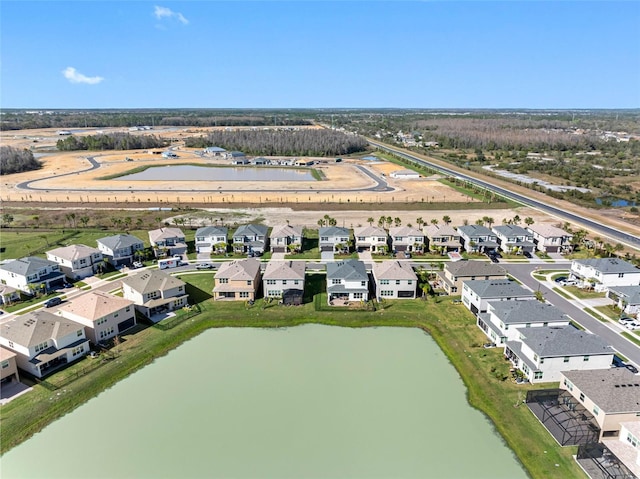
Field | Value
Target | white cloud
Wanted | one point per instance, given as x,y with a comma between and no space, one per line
164,12
74,76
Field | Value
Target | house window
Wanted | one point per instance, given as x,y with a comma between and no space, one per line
566,359
127,309
180,288
582,397
410,281
384,281
569,384
335,281
535,357
537,375
244,294
296,282
620,275
363,283
41,347
358,295
386,293
106,332
271,281
224,280
585,358
397,282
79,333
249,282
541,360
77,351
284,281
11,344
596,410
527,325
5,364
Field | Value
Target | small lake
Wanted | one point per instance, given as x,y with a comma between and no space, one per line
615,202
223,173
305,402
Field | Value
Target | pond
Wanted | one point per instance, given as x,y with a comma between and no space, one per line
311,401
223,173
615,202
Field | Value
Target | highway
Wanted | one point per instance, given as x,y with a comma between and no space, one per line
623,237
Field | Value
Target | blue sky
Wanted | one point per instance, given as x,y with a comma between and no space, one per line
262,54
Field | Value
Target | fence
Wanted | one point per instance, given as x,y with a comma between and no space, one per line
179,318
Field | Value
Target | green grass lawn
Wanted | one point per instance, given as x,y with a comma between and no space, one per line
632,337
484,371
610,311
583,293
562,293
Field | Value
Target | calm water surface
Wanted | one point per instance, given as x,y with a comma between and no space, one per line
223,173
305,402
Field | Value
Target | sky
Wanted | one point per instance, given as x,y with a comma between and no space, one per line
328,54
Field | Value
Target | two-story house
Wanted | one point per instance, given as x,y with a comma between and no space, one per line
627,298
237,280
31,273
455,273
406,238
102,314
76,261
394,280
504,319
167,242
211,239
551,239
8,294
286,238
543,353
8,367
43,342
250,239
347,281
476,295
155,292
334,238
284,279
442,238
478,239
514,239
605,273
120,249
371,238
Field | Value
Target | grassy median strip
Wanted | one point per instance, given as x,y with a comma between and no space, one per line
484,371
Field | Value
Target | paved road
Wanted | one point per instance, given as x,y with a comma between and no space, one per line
608,332
630,240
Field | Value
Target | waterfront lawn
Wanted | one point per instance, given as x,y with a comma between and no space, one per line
484,371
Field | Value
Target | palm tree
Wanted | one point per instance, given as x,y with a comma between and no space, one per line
516,219
479,222
388,220
139,223
127,222
618,248
490,221
7,219
159,220
370,220
528,221
381,221
446,219
71,218
84,220
419,221
397,221
321,223
434,221
333,222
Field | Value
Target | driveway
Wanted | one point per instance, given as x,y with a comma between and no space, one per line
278,256
326,255
365,256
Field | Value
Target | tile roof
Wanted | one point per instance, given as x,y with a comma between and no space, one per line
74,252
284,270
28,265
497,288
94,305
515,312
474,268
151,280
36,327
615,390
393,270
119,241
564,341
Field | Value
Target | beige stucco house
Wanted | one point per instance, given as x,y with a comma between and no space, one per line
237,280
155,292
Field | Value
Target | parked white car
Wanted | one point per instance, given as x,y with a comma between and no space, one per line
632,325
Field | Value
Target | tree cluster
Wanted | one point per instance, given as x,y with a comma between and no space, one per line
303,142
114,141
13,160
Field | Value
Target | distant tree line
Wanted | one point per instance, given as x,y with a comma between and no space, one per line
303,142
114,141
13,160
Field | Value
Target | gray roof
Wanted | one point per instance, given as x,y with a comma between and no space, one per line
631,294
393,270
214,149
609,265
564,341
333,231
286,231
350,270
615,390
515,312
474,268
498,288
165,233
284,270
28,265
120,241
36,327
251,230
237,154
511,230
211,231
239,270
433,231
151,280
370,231
475,230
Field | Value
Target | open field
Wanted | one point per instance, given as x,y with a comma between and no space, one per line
484,372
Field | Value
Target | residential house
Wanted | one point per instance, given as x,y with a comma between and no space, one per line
394,280
285,238
442,238
627,298
211,239
234,156
610,396
31,273
476,295
347,281
121,248
284,279
626,447
406,238
155,292
167,242
455,273
504,319
250,239
214,151
543,353
371,238
43,342
551,239
405,174
334,238
8,366
76,261
478,239
102,314
237,280
605,273
514,239
8,294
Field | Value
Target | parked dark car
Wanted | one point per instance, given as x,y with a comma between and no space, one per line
527,254
52,302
